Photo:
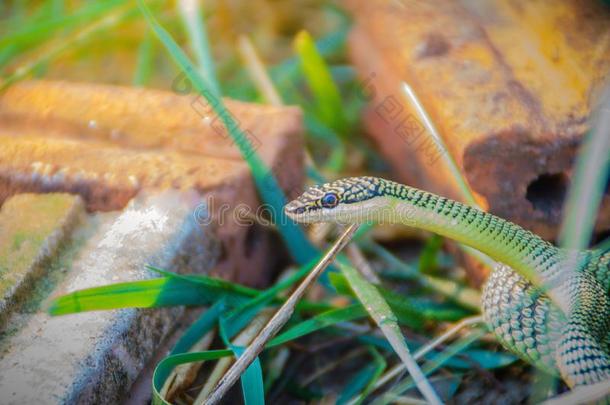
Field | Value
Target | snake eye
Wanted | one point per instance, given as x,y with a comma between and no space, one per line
330,200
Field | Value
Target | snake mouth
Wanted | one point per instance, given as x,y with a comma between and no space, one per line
294,207
298,212
305,212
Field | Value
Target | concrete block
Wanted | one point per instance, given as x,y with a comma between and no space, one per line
94,357
32,229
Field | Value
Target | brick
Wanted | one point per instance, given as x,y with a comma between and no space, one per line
142,118
510,86
109,143
32,229
43,164
94,357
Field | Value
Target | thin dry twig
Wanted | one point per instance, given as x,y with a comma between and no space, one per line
359,261
243,338
256,71
278,321
184,374
404,400
332,365
318,232
465,190
190,11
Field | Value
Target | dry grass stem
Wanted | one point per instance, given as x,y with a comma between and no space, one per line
278,321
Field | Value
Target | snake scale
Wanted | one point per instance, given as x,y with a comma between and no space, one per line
563,328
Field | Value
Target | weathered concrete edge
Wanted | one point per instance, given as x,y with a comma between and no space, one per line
104,352
59,238
122,359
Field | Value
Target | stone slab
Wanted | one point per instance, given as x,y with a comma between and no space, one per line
94,357
33,227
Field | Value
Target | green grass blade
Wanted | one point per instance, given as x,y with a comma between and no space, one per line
31,32
158,292
198,329
404,311
208,281
428,259
298,245
252,386
144,63
235,321
167,364
410,311
277,288
318,322
317,130
357,383
465,296
285,73
365,380
174,289
194,23
383,316
320,81
77,39
589,181
239,317
489,360
381,365
432,365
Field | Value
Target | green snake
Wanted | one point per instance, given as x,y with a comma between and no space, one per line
563,328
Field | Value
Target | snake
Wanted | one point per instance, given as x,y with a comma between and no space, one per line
546,304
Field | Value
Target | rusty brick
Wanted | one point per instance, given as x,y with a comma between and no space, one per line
107,176
109,143
142,118
509,84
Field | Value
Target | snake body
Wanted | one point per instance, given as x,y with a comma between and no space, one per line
563,328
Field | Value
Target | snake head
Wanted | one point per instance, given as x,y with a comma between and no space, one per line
346,200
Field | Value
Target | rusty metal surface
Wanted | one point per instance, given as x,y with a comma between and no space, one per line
509,84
